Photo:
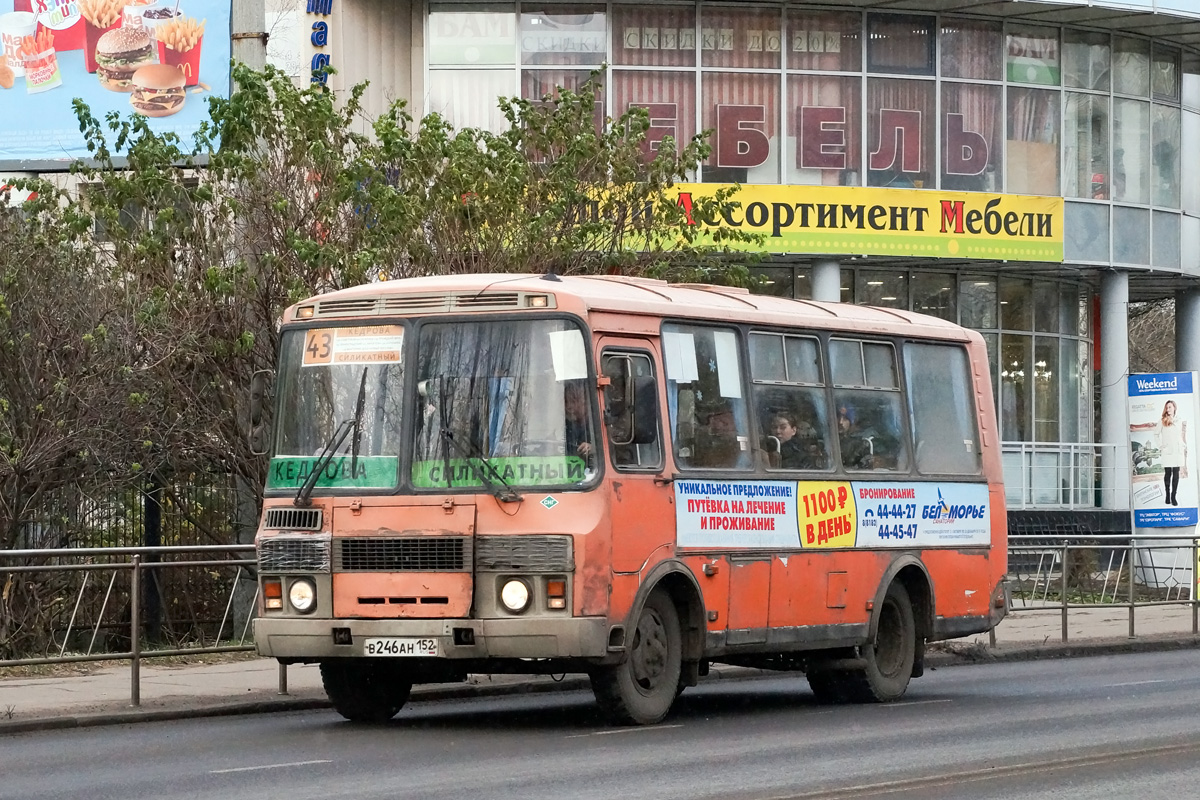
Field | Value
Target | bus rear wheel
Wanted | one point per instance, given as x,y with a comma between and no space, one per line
640,690
889,659
363,690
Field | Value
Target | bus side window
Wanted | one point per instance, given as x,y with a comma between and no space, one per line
631,417
867,401
941,409
789,395
709,413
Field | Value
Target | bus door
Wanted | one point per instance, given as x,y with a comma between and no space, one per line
642,502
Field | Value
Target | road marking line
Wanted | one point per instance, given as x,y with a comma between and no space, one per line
623,730
1131,683
270,766
903,704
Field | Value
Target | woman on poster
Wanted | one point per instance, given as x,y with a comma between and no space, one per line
1172,447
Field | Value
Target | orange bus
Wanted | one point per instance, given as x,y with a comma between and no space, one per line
623,478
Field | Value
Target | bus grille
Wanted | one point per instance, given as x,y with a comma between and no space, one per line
294,519
280,554
524,554
415,554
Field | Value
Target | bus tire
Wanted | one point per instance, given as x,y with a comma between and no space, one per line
365,691
889,658
828,687
641,689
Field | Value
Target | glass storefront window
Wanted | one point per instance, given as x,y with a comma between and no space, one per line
934,294
773,281
563,35
879,288
900,132
1046,390
472,35
900,44
1165,125
1131,66
467,98
1016,305
669,99
972,48
742,110
972,151
1133,245
1086,134
1016,381
824,129
1032,54
1164,74
1032,166
825,40
977,299
664,36
1131,159
741,38
1087,60
1046,308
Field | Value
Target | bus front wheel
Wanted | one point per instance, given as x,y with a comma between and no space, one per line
640,690
364,690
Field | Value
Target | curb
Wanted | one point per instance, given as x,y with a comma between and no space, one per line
940,655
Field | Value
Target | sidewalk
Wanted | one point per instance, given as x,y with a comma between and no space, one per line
102,696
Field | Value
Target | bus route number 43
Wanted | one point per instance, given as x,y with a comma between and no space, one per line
394,646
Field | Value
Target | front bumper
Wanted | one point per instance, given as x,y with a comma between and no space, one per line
312,639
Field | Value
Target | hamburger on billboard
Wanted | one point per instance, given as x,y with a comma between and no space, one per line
147,57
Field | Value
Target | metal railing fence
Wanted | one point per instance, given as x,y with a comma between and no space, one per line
61,606
1064,572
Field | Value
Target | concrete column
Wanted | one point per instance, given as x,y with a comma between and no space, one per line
827,281
1187,330
1114,372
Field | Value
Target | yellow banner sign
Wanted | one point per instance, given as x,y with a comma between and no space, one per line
891,222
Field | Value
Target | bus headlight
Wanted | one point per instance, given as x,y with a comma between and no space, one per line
515,595
302,594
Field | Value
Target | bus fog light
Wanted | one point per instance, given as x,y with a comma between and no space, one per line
302,595
515,595
556,602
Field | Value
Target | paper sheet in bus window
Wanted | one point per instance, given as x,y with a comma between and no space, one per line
729,378
679,350
566,351
369,344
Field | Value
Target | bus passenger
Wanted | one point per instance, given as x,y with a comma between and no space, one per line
794,452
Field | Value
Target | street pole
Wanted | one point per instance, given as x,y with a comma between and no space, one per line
248,23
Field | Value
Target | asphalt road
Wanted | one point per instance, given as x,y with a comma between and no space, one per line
1117,726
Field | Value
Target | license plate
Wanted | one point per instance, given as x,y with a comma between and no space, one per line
395,646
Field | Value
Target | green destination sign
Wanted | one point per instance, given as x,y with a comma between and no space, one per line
371,472
517,471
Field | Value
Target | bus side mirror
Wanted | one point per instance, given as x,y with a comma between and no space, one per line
645,410
259,393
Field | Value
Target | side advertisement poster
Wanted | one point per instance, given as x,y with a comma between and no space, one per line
159,59
830,514
1162,439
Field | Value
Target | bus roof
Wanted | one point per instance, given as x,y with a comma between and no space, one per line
588,294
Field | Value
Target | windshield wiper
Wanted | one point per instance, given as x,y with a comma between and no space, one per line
505,495
303,497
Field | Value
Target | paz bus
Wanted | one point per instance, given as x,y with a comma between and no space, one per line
625,478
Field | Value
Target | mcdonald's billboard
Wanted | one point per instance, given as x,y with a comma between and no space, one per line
160,59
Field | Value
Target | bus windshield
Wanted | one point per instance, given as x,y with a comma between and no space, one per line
503,401
339,388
